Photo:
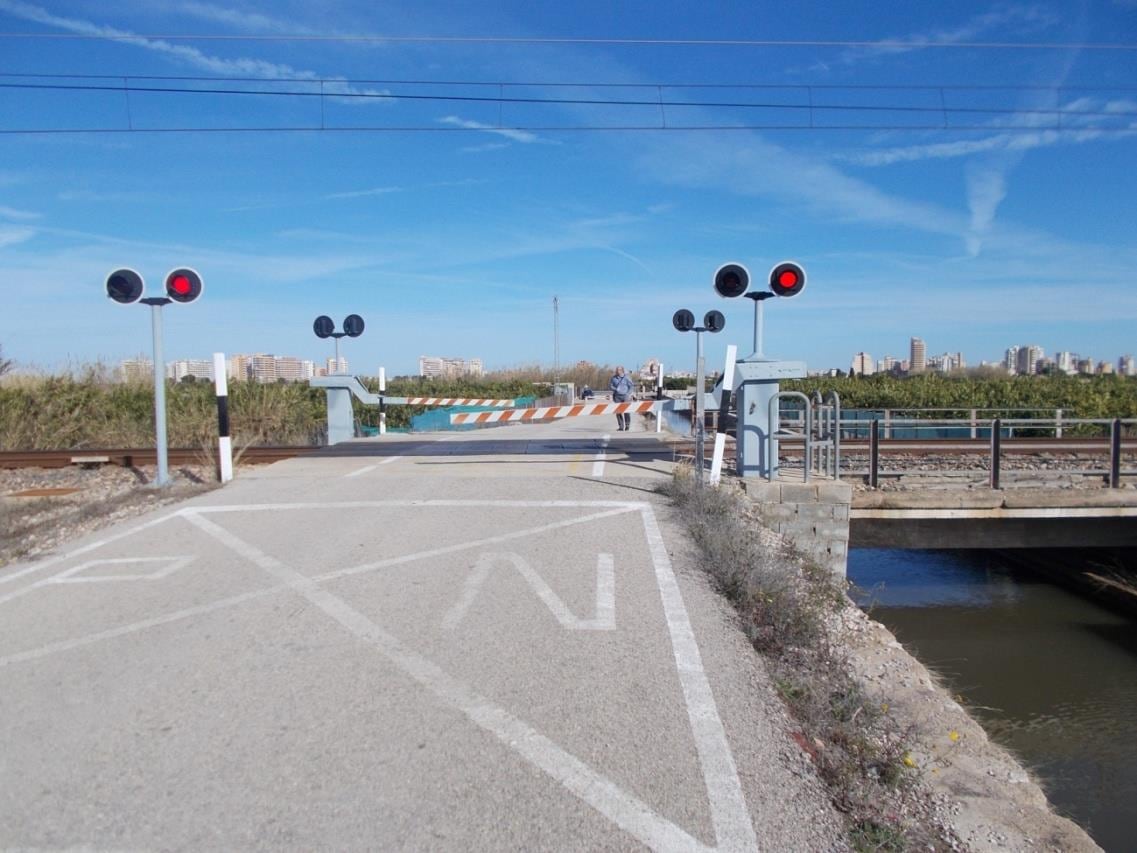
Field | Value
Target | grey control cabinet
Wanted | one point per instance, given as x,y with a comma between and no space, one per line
756,383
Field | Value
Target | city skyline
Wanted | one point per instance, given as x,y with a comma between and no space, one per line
610,158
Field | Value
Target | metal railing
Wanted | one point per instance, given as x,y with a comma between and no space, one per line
991,441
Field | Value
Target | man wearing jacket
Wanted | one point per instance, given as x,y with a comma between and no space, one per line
621,388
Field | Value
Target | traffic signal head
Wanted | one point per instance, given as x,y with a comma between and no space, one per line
683,320
731,280
323,327
353,325
124,286
183,284
714,321
787,279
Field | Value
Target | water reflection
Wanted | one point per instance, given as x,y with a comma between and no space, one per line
1049,674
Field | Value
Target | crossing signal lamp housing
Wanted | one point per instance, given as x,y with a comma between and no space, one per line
183,284
124,286
731,280
787,279
683,320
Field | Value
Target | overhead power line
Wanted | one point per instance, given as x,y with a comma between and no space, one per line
619,102
889,44
580,84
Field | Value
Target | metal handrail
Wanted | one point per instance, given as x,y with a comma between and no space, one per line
774,431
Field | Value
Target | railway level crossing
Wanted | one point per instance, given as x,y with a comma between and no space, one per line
456,649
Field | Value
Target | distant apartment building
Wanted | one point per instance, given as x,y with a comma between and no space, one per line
949,362
888,364
863,365
1105,367
136,370
1086,366
1127,365
1066,362
197,368
265,367
444,367
917,356
335,366
1011,359
1029,360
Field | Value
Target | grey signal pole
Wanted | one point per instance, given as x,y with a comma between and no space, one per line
160,448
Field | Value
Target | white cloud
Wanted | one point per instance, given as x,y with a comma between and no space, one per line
986,189
364,193
239,66
523,136
10,236
13,213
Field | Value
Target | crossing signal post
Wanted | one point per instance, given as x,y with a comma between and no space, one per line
756,375
341,422
713,321
126,286
324,327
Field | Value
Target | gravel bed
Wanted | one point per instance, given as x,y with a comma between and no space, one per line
34,526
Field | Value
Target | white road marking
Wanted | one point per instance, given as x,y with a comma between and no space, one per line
620,807
172,564
135,627
358,472
465,546
390,459
51,561
598,465
605,619
729,813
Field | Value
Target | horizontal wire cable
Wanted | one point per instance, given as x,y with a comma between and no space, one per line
505,129
551,84
498,99
891,44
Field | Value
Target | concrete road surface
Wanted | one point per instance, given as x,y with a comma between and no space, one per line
472,641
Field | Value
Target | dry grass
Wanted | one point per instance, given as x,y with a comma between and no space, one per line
789,607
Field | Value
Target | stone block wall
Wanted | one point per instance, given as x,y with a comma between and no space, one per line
813,516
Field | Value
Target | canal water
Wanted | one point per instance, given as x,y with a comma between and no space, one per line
1048,673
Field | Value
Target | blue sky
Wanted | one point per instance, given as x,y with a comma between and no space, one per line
452,238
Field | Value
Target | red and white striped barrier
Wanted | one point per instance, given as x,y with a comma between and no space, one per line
585,409
455,401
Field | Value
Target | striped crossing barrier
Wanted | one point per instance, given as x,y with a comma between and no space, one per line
455,401
584,409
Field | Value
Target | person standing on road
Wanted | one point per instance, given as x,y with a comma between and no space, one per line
621,387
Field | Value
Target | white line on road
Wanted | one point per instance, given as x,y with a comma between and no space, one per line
52,561
134,627
620,807
598,465
729,813
361,471
605,619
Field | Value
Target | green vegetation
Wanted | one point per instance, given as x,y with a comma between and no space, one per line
1078,396
89,410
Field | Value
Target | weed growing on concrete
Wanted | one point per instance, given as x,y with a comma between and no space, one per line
788,606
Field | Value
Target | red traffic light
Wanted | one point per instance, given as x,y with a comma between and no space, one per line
183,284
124,286
787,279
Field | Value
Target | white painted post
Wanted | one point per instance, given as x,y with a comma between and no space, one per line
720,434
382,388
224,444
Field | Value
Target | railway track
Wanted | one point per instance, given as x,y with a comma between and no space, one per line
131,457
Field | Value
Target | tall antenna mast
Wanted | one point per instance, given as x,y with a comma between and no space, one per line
556,340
